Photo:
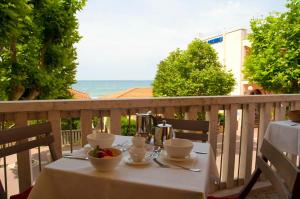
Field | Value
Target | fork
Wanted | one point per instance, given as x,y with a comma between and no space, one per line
182,167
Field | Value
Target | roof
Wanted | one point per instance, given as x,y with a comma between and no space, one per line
78,94
131,93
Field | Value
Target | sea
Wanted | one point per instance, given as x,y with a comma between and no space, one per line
98,88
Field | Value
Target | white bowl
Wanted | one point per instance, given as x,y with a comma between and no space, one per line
103,140
178,148
106,163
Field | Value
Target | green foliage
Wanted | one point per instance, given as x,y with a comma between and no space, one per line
37,53
67,124
274,61
221,118
192,72
125,128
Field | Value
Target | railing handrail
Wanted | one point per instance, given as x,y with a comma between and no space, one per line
154,102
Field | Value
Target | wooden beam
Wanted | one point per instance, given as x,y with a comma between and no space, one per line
54,118
247,141
115,121
23,158
192,113
86,125
169,112
69,105
280,110
265,118
212,117
229,145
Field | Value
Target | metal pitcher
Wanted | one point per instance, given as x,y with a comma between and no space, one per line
145,125
163,132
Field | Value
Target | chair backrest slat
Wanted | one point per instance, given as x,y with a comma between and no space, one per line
286,170
20,139
16,134
192,136
190,125
273,177
282,173
44,141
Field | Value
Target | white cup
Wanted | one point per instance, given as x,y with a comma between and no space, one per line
137,154
138,141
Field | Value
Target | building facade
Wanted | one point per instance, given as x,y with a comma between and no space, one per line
232,47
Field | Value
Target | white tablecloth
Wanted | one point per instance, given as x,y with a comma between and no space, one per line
285,135
72,179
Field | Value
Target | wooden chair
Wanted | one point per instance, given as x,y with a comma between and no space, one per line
23,139
188,125
283,174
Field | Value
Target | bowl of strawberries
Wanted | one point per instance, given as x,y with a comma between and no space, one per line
104,159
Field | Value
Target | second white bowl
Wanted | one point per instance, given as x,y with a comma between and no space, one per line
178,148
103,140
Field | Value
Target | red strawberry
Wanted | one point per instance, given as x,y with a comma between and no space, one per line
101,154
108,152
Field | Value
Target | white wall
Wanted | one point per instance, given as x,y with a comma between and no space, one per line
231,54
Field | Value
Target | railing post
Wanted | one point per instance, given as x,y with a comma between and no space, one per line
297,105
264,119
229,145
192,113
23,158
169,112
54,118
115,121
86,125
280,109
212,117
247,141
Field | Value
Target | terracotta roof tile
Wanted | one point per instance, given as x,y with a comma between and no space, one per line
78,94
130,93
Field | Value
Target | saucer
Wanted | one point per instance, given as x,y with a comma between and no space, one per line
129,161
187,158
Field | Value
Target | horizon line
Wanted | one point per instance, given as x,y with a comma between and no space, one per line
114,79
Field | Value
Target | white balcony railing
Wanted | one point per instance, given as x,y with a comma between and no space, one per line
235,148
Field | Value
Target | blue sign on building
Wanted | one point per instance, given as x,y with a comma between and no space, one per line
215,40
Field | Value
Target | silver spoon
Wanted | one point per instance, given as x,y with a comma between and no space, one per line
182,167
76,157
199,152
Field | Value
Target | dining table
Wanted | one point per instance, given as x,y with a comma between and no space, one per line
284,135
77,179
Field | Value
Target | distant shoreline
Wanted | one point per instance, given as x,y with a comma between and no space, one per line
98,88
117,80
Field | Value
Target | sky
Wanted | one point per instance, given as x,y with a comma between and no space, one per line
126,39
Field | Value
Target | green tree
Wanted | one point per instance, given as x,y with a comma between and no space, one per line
195,71
37,53
275,51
